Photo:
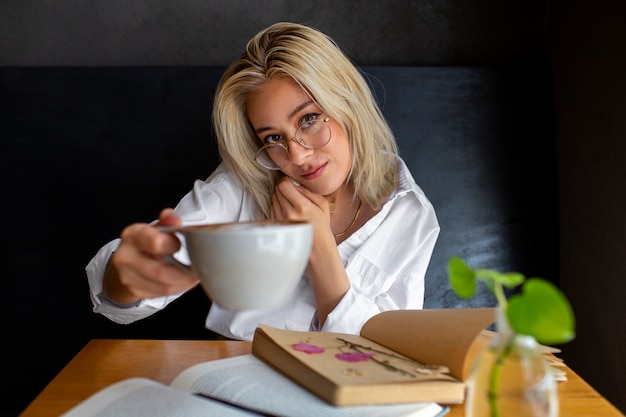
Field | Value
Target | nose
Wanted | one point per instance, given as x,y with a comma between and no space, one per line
297,152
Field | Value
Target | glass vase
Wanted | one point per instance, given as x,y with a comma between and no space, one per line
511,378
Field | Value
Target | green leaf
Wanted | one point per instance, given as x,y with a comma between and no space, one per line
542,311
511,279
462,278
492,277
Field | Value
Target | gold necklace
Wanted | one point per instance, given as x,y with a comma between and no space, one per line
356,216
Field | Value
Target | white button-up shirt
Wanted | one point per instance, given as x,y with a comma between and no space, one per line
385,260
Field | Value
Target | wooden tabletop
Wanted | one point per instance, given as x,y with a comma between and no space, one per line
103,362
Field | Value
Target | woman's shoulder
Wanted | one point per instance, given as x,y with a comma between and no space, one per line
221,173
218,198
407,183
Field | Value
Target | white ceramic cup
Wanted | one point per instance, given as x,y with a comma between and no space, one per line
250,265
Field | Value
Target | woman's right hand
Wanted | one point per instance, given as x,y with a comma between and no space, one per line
137,270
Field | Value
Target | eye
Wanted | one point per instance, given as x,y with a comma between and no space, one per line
305,121
273,139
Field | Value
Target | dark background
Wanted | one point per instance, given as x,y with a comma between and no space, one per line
569,56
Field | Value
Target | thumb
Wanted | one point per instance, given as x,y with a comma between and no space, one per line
168,217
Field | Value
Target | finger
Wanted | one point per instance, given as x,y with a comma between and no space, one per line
294,182
300,203
272,212
147,286
317,199
286,202
158,278
149,240
168,217
147,277
294,193
293,205
277,208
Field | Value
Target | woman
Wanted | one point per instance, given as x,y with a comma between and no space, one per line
301,138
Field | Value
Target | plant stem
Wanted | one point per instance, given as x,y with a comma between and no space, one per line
498,291
494,378
501,353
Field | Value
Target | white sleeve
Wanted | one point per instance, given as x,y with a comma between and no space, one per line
215,200
123,314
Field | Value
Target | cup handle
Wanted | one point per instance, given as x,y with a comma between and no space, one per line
178,264
169,258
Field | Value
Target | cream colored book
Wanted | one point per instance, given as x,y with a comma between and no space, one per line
400,356
237,386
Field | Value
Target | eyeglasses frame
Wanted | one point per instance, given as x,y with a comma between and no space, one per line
285,145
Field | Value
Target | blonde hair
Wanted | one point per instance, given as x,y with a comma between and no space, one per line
317,64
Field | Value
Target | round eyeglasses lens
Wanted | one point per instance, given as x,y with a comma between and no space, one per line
273,156
314,134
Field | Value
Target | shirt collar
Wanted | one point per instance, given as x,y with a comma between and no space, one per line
406,182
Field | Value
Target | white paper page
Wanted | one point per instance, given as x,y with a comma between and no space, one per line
248,382
140,397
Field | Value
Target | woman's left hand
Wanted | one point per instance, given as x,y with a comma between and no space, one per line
291,202
328,276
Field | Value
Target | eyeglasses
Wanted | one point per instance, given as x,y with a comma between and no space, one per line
312,134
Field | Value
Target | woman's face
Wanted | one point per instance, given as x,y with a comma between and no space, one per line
276,110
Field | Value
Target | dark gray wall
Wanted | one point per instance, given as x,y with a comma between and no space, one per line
211,32
587,49
584,45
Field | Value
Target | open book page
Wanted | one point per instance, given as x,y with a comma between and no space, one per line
248,382
485,338
140,397
450,337
437,336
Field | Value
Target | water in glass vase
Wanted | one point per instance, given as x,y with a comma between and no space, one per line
512,378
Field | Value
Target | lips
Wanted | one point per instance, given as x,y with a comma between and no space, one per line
314,173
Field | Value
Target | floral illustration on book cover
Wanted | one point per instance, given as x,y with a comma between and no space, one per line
353,358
